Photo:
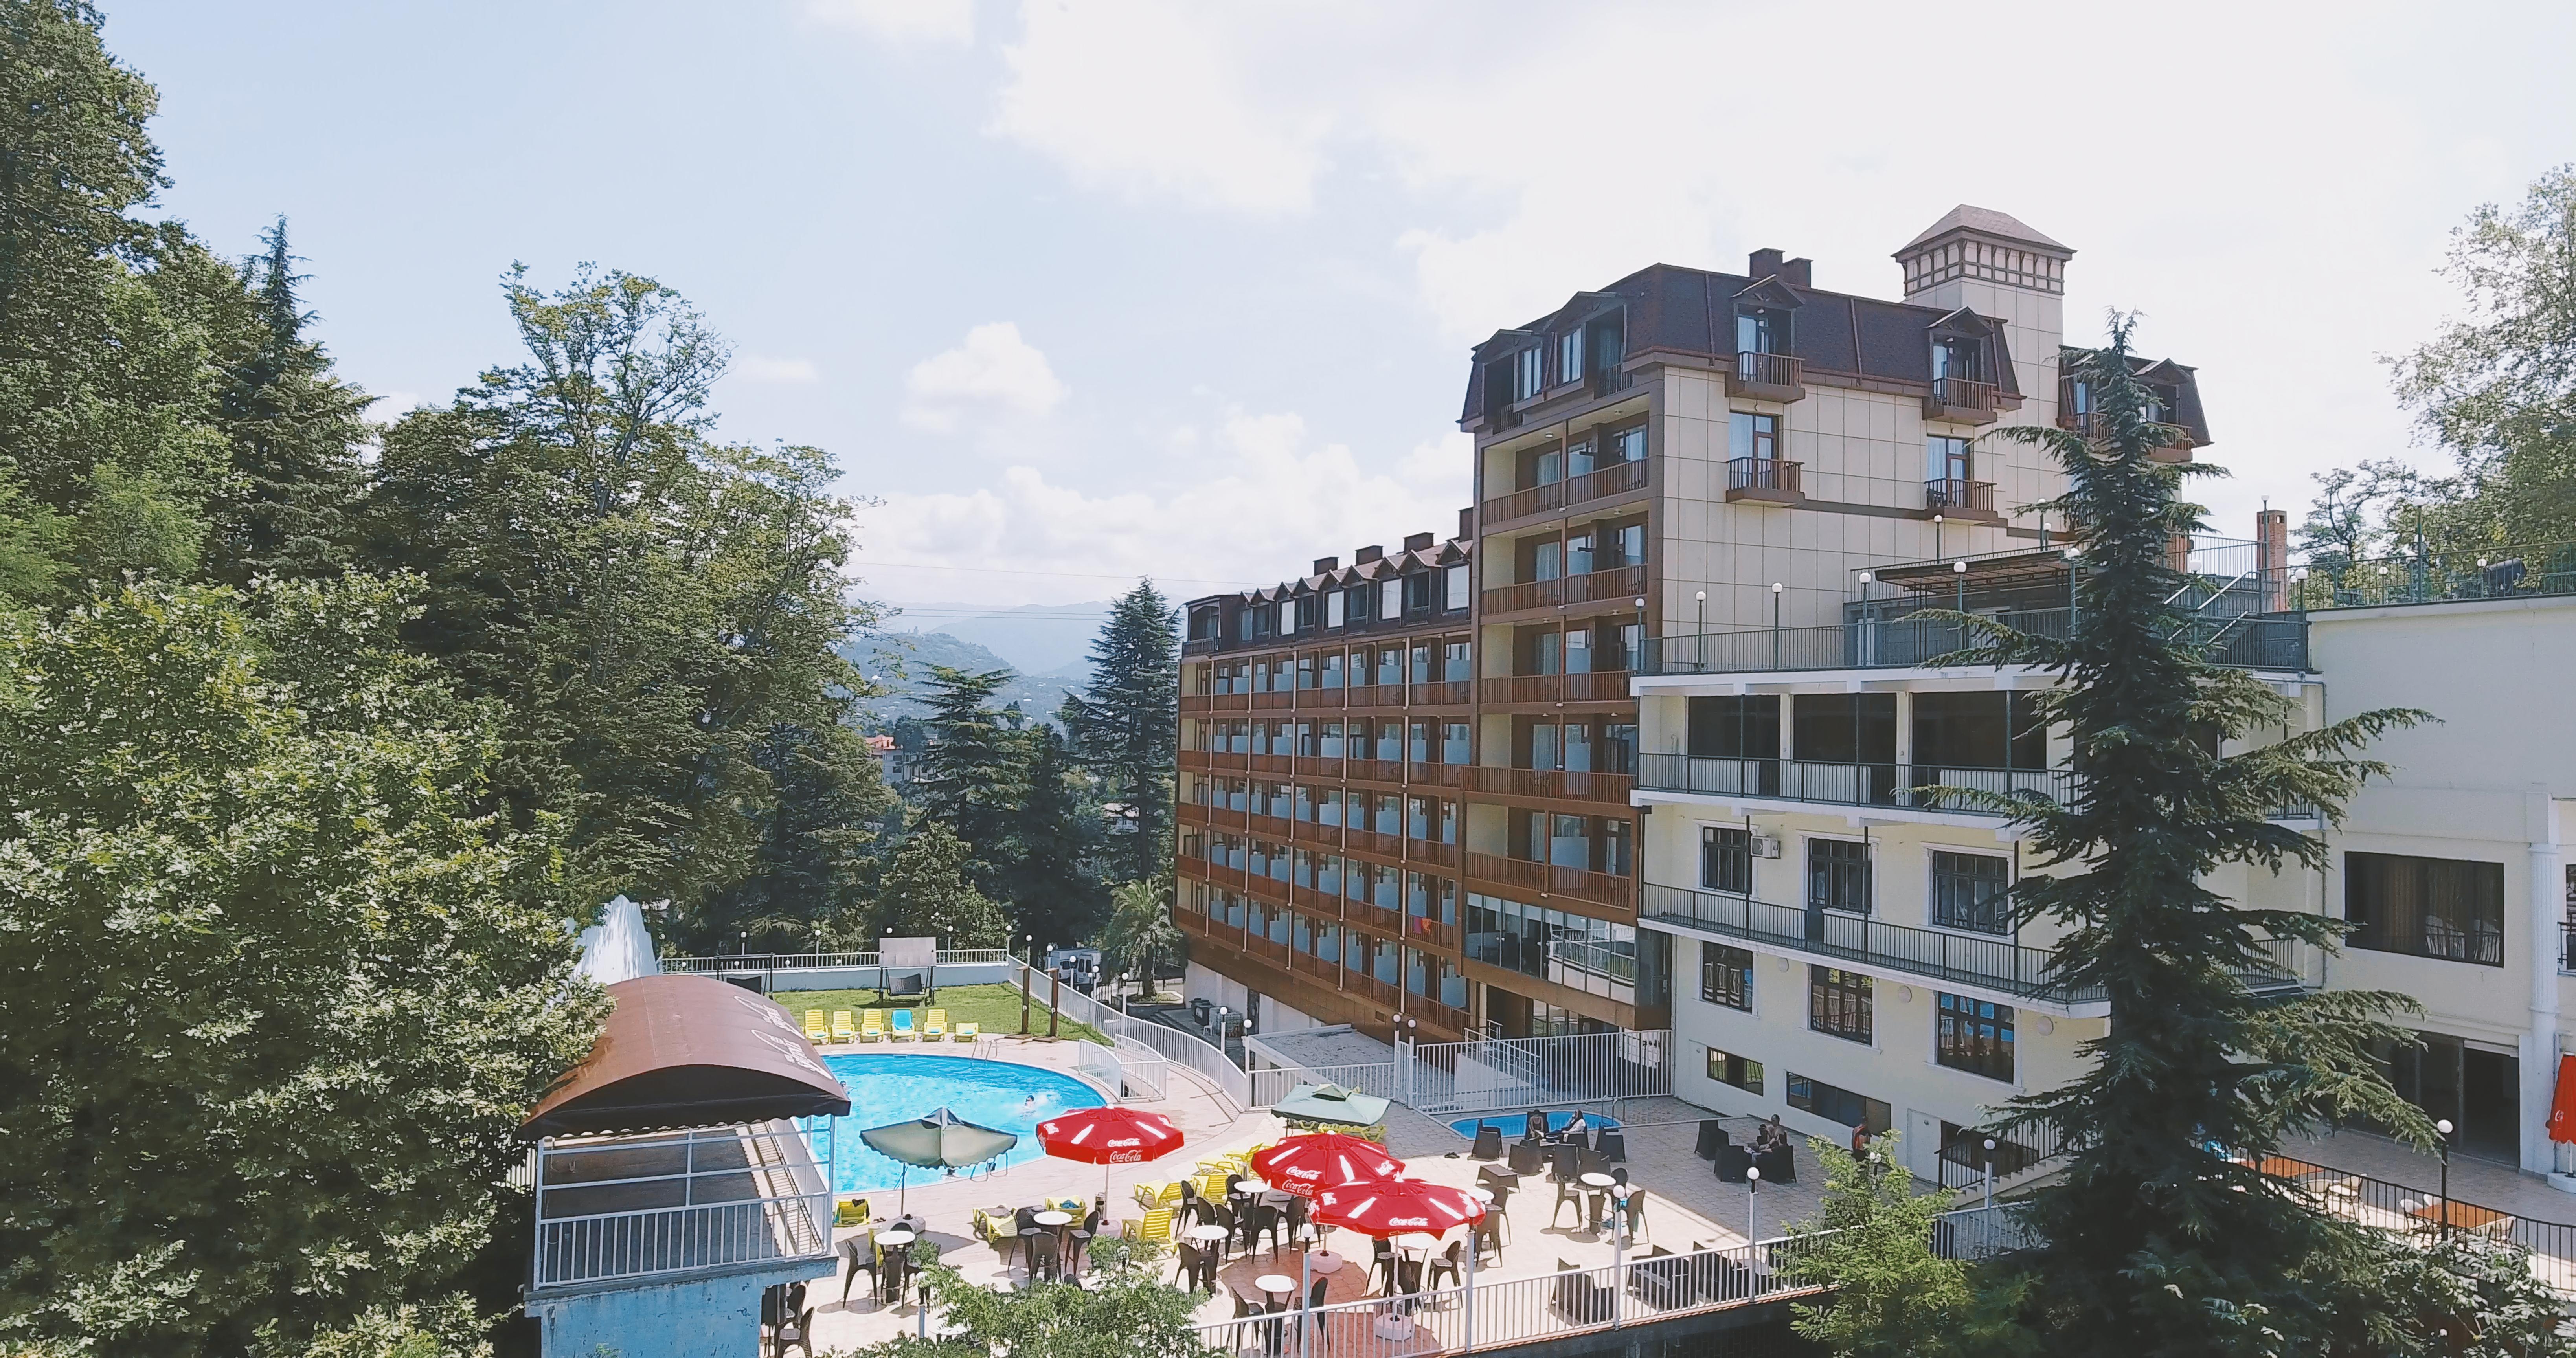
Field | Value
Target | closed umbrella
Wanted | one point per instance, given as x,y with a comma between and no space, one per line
1307,1165
941,1140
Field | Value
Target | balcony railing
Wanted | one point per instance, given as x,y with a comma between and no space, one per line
704,1201
1554,784
1766,377
1994,963
1389,847
1370,915
1362,984
1960,401
1610,381
1764,478
1526,595
1520,504
1268,950
1550,879
1430,851
1921,786
1951,495
1614,582
2460,575
1448,692
1618,478
1374,770
1912,641
1441,775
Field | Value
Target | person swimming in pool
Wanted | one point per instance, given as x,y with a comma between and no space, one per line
1033,1103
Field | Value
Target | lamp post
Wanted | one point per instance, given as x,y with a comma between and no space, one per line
1029,955
1752,1205
1990,1171
1936,536
1959,571
1776,588
2444,1127
1699,636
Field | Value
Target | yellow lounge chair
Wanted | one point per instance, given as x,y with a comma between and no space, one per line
815,1029
968,1032
1155,1228
843,1029
995,1225
871,1026
1158,1195
851,1212
934,1028
1212,1187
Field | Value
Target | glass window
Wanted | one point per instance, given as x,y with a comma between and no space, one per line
1456,583
1968,892
1547,560
1973,1035
1579,460
1329,668
1333,609
1528,372
1838,875
1569,357
1753,333
1453,661
1726,976
1726,859
1729,1069
1945,458
1391,602
1838,1003
1751,435
1630,443
2447,908
1454,743
1838,1104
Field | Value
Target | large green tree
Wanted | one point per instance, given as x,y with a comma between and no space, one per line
2160,1240
1054,836
926,894
274,995
1125,723
971,773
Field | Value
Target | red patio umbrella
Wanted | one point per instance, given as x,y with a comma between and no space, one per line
1109,1136
1309,1164
1398,1207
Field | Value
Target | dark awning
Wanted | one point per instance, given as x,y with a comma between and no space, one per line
688,1051
2027,566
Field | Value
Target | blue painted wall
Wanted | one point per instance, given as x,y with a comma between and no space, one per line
690,1318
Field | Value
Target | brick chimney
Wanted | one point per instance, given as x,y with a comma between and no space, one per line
1364,555
1467,524
1326,565
1419,542
1763,263
1799,273
2272,556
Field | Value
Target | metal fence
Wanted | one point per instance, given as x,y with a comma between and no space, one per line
1935,954
2247,641
822,961
678,1202
1270,1084
1142,1043
1931,787
1482,1074
2419,1214
2458,575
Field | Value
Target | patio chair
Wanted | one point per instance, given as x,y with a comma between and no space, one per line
1489,1142
1042,1254
844,1028
1156,1226
1450,1262
795,1331
1158,1195
1732,1161
1382,1265
1589,1161
968,1032
1635,1208
1712,1134
1526,1157
1567,1191
1613,1144
1489,1236
903,1030
1578,1298
1564,1165
1534,1128
816,1030
858,1255
1185,1268
934,1027
871,1025
1261,1219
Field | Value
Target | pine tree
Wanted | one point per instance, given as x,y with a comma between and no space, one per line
1126,722
970,775
926,894
812,861
295,432
1053,838
2160,1240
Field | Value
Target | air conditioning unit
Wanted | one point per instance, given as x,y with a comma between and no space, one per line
1766,846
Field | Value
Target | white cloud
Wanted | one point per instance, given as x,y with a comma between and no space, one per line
1262,500
948,21
756,368
994,372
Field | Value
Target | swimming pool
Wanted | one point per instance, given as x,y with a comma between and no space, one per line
1513,1123
886,1089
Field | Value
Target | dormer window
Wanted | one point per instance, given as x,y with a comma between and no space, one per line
1529,371
1958,358
1761,332
1569,357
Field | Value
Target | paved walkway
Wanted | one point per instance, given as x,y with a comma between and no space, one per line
2480,1181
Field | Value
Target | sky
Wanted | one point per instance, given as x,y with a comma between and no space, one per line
1080,291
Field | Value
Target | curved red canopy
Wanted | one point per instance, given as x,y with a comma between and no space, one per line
1109,1136
1306,1165
1397,1207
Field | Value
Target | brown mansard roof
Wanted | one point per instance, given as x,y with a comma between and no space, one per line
688,1051
1447,553
1985,221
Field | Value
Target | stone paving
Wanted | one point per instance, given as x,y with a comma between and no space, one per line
1685,1206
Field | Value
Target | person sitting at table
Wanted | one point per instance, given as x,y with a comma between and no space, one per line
1535,1128
1771,1135
1576,1128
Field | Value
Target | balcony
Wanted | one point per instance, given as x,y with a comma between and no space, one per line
1268,950
1375,695
1272,828
1443,693
1319,766
1549,879
1367,915
1193,703
1521,504
1276,698
1319,697
1362,984
1621,583
1554,784
1764,480
1914,641
1426,932
1313,832
1957,499
1956,400
1922,787
1999,965
1321,968
1370,842
1280,765
1448,1018
668,1205
1430,851
1766,377
1374,771
1525,688
1612,381
1618,478
1263,887
1441,775
1196,813
1523,597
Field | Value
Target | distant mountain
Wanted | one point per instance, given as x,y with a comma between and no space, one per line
1036,639
902,660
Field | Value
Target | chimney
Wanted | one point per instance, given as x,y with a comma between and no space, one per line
1419,542
1467,524
1799,273
1326,565
2272,557
1764,263
1365,555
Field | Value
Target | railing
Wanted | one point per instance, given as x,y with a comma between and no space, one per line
678,1202
2462,575
1961,394
2417,1213
1520,504
1526,595
1609,381
2567,948
1764,473
1374,770
1618,478
1554,784
1488,1073
1270,1084
1275,698
1388,846
1525,688
1610,582
1913,640
1361,983
1375,695
1441,775
1997,964
1930,787
1600,888
810,961
1767,370
1140,1037
1370,915
1443,691
1952,493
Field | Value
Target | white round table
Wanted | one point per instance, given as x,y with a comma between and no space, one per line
1253,1186
1418,1240
1276,1284
1209,1232
896,1236
1483,1195
1052,1218
1598,1181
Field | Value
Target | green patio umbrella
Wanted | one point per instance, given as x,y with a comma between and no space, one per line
941,1140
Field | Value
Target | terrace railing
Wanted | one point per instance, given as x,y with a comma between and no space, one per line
817,961
1931,787
619,1207
1137,1039
1998,964
1913,640
2457,575
1487,1073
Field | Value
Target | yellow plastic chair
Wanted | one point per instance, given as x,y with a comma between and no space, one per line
815,1029
1158,1195
1156,1226
1212,1187
851,1212
843,1029
968,1032
995,1224
935,1027
871,1026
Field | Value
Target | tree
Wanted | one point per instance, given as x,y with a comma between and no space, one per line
812,856
2349,523
926,894
1126,722
1140,937
1893,1296
1052,838
2499,388
2160,1240
275,998
1123,1310
971,772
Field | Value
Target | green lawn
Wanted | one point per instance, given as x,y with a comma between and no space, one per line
996,1007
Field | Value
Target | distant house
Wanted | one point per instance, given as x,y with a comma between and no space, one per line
894,764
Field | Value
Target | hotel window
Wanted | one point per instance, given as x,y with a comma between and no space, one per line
1729,1069
1968,892
1751,435
1569,357
1629,443
1391,598
1547,559
1333,609
1453,661
2446,908
1838,1003
1945,458
1454,743
1329,667
1756,333
1837,1104
1838,875
1973,1035
1529,368
1455,582
1579,460
1622,546
1726,859
1417,592
1726,976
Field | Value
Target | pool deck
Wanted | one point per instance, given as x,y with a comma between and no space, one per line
1685,1206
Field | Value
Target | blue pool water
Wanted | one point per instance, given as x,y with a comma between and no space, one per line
886,1089
1513,1123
